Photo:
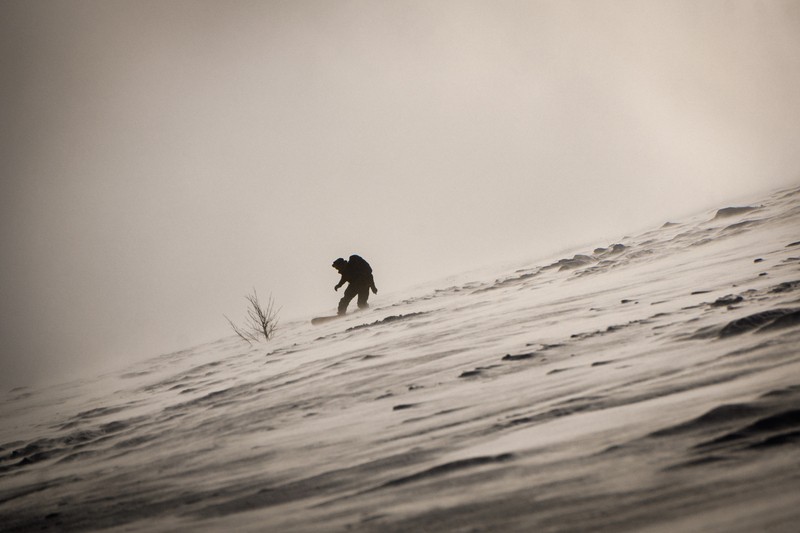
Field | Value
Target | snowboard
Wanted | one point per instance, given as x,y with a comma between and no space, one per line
323,319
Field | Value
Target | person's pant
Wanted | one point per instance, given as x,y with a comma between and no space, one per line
362,291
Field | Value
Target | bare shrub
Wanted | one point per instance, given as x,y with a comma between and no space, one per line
261,320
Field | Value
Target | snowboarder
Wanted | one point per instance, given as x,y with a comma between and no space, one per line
358,274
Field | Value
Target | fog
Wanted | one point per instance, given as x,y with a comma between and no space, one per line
161,159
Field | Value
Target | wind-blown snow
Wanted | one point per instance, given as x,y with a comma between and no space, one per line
648,385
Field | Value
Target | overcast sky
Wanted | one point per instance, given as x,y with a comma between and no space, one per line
160,159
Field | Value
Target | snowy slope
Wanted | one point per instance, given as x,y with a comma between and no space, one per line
649,385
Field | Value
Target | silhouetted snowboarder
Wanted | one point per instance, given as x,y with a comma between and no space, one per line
358,274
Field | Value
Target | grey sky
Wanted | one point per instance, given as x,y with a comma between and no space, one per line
159,159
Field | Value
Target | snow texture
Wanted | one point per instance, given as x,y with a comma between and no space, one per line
649,385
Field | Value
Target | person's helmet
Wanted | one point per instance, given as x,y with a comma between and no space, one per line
339,263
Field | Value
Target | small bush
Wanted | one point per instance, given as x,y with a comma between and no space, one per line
261,320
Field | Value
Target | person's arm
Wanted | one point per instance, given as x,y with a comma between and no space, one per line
341,282
372,284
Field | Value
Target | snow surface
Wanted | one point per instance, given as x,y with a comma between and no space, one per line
651,385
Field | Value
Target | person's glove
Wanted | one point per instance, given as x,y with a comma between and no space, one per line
336,287
374,289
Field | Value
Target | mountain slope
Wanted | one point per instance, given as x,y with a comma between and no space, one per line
651,384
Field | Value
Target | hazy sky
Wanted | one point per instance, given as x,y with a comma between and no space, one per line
159,159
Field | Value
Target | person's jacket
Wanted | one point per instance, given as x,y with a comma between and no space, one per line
357,272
